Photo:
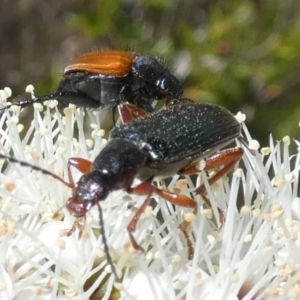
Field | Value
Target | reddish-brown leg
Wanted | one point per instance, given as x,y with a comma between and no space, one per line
84,166
129,111
226,158
146,188
185,202
81,164
77,224
182,201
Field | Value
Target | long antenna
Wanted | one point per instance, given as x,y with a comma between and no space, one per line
36,168
23,102
101,222
104,241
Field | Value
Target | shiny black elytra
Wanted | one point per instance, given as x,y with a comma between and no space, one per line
164,143
103,79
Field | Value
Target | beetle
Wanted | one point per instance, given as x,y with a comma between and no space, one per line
103,79
160,144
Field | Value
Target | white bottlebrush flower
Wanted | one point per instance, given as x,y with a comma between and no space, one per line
254,255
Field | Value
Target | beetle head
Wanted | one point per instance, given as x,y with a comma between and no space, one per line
90,189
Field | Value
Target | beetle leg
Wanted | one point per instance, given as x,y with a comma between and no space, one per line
183,226
176,199
132,224
81,164
143,188
147,188
227,158
77,225
84,166
129,111
185,201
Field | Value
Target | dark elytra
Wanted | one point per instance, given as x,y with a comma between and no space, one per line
174,137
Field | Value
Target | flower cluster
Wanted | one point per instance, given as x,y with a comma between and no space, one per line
253,254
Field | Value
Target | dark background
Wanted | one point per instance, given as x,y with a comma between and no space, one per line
244,55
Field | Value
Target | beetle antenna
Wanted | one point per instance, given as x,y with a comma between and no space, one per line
104,241
23,102
101,222
36,168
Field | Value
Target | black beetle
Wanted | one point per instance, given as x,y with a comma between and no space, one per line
164,143
169,141
106,78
